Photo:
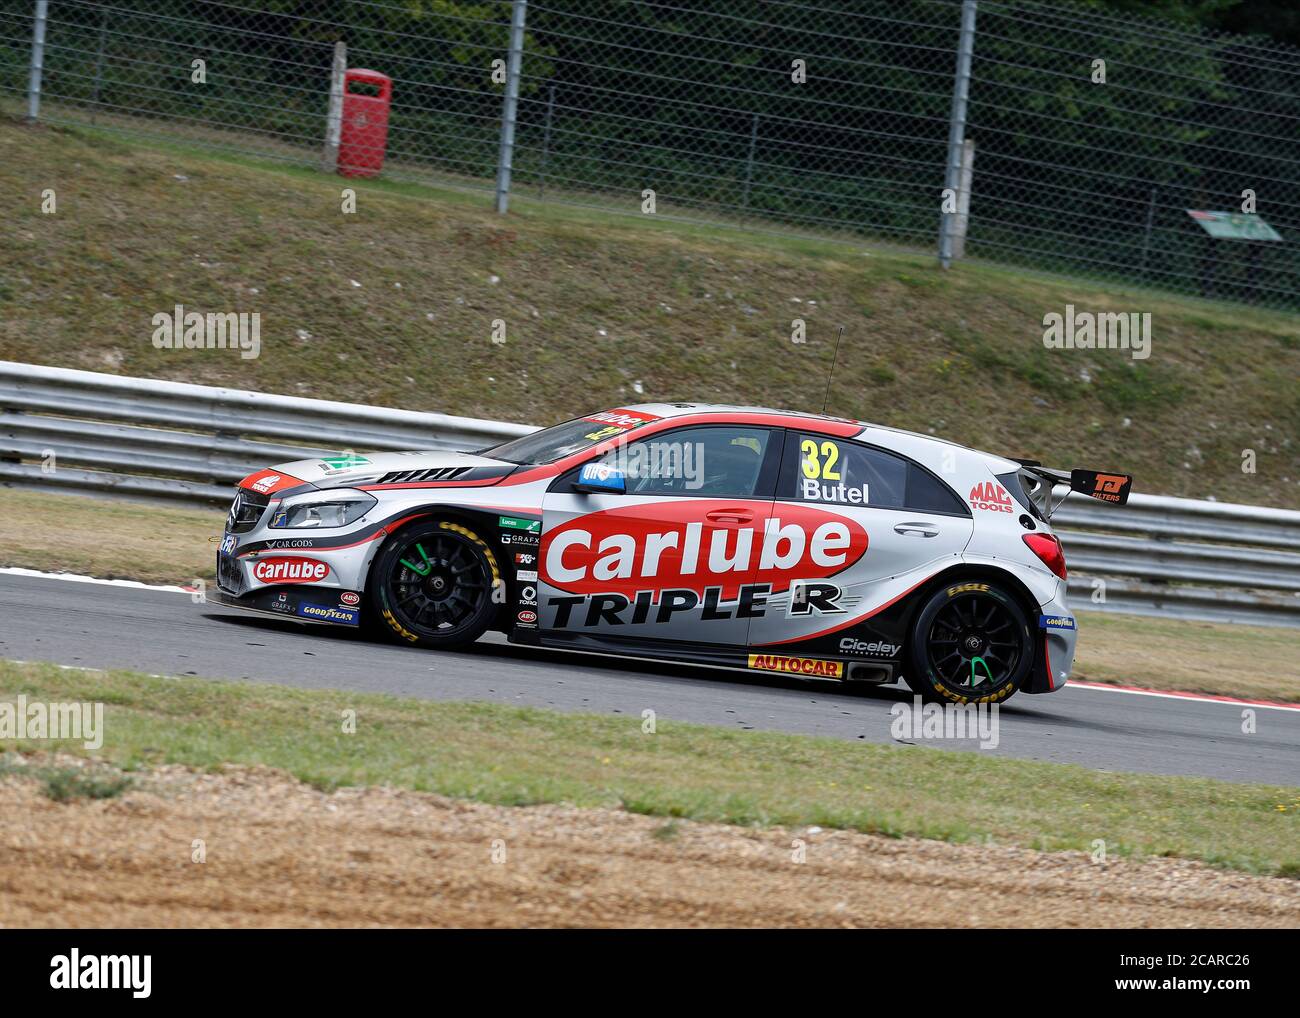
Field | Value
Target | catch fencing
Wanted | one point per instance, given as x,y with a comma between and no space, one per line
1051,136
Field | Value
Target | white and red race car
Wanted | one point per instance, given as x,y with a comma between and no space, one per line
731,536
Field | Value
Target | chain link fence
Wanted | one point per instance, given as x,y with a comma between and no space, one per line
1078,143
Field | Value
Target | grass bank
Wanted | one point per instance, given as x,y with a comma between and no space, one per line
396,305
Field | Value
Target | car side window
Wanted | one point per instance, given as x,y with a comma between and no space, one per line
822,468
719,461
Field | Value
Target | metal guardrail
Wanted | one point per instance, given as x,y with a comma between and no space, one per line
184,443
190,443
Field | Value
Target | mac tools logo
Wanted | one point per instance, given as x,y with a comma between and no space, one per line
281,569
623,551
992,496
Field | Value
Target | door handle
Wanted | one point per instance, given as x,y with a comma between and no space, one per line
729,516
916,530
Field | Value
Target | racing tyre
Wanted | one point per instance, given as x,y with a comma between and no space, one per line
971,643
432,585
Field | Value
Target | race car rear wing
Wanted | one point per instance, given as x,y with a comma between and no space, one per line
1104,486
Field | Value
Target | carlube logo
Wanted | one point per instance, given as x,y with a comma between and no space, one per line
281,569
992,496
687,546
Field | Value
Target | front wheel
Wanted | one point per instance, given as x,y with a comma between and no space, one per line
971,643
432,584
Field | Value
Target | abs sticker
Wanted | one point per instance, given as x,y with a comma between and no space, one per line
528,617
1055,622
797,665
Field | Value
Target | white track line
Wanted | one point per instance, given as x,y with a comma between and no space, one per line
77,578
1169,694
1094,686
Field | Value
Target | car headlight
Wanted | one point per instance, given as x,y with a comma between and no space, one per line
338,509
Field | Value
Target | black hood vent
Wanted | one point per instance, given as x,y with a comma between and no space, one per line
418,476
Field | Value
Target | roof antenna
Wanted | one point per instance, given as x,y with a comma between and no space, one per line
827,400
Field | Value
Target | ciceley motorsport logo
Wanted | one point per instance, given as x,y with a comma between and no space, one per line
624,566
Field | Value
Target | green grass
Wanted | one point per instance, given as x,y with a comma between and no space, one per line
518,756
600,305
1252,662
67,784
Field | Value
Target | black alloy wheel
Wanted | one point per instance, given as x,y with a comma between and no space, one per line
971,643
432,584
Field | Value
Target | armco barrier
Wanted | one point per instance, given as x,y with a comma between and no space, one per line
144,438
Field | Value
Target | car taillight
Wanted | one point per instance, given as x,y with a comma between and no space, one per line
1048,549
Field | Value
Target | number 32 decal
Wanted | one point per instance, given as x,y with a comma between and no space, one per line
813,457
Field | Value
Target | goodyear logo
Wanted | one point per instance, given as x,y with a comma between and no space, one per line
797,665
1055,622
324,613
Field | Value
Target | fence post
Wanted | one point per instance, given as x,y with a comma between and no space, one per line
329,160
1146,236
749,163
957,126
99,64
546,136
509,109
963,199
38,61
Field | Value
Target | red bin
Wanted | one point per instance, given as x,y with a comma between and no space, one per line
363,135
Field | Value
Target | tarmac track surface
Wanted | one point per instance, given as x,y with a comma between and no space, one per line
161,631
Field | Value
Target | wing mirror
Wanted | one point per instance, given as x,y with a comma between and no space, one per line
600,479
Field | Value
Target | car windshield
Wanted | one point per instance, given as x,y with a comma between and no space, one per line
565,439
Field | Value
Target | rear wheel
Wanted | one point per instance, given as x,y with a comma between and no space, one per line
971,643
432,584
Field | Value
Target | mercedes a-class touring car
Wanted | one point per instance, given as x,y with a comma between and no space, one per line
731,536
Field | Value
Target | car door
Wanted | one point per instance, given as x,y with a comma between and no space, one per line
908,522
673,558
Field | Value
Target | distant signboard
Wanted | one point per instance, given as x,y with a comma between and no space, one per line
1234,225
